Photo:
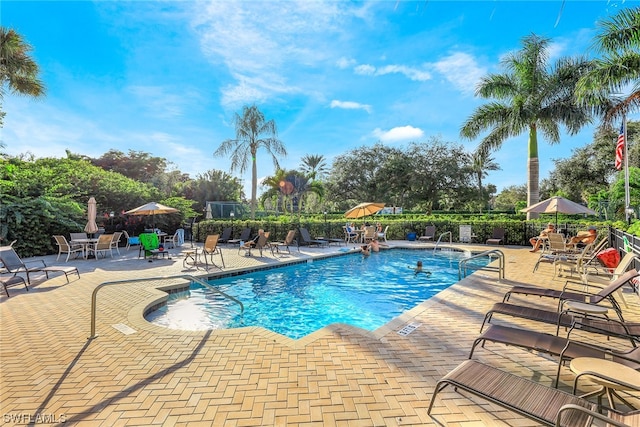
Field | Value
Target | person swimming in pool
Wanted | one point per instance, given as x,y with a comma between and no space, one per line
418,269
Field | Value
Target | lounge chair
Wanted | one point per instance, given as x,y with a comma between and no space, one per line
12,281
225,236
245,235
429,233
569,294
544,405
64,247
288,241
497,237
585,321
13,264
563,348
211,248
306,240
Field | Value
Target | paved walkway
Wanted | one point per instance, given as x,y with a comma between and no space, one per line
51,372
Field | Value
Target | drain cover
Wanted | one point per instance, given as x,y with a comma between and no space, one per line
124,328
407,329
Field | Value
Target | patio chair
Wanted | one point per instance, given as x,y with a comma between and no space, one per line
12,281
171,241
288,241
429,233
225,236
103,245
245,235
382,235
78,236
369,234
260,244
350,235
544,405
115,241
579,295
64,247
306,240
149,242
13,264
555,248
129,240
211,248
497,237
466,235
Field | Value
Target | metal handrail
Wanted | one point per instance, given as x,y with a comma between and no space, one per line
500,269
440,238
94,295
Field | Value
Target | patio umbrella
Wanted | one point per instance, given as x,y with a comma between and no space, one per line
208,213
92,210
364,209
557,204
153,209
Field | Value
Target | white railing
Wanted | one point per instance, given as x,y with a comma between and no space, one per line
440,239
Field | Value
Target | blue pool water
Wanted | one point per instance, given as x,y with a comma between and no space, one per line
366,292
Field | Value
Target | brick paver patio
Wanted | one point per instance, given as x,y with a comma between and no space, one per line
51,373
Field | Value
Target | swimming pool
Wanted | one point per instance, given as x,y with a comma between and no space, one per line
296,300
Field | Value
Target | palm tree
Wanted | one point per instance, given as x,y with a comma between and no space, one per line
250,127
618,40
481,163
314,166
531,97
18,72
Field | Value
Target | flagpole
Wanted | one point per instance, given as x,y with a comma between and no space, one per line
627,195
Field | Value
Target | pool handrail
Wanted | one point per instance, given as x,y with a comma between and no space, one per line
94,295
440,238
500,269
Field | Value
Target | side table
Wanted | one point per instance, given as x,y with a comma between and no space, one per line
609,375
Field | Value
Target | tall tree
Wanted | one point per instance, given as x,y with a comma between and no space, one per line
617,69
531,96
252,132
314,166
18,72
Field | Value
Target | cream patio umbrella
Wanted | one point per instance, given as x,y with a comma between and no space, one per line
92,210
153,209
364,209
557,204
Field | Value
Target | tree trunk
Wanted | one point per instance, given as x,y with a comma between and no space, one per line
533,172
254,185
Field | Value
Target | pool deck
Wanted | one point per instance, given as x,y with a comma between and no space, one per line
135,373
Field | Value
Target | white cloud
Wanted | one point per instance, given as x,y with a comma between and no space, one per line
398,134
462,70
409,72
350,105
344,63
262,42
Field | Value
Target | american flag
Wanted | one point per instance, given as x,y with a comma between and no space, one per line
620,148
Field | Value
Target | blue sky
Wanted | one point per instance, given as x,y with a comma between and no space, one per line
167,77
